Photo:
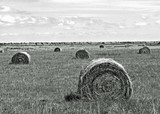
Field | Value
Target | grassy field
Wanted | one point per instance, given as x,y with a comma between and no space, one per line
40,87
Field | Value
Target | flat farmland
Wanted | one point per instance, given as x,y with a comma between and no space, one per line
40,87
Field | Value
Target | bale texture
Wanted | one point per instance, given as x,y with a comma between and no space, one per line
101,46
144,50
21,58
57,49
82,54
104,79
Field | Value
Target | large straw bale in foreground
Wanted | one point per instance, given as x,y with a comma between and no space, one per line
103,79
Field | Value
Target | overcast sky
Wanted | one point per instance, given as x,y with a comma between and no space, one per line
83,1
144,29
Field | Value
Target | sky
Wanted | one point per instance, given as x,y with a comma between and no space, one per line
115,20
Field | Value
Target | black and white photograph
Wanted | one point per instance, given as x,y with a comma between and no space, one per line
79,57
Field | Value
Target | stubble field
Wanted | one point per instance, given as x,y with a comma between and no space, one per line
40,87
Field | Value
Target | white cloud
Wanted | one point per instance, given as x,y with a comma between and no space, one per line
141,24
7,18
158,21
4,8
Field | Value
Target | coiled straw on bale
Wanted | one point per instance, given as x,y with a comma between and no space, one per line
57,49
21,58
82,54
103,79
144,50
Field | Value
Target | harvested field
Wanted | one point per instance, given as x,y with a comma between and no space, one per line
41,85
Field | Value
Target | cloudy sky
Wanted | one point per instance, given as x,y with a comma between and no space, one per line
89,20
122,3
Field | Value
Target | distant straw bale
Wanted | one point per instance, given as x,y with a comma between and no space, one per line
144,50
21,58
82,54
1,50
57,49
101,46
103,79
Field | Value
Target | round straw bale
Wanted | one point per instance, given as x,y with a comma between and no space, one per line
144,50
21,58
106,79
1,50
57,49
101,46
82,54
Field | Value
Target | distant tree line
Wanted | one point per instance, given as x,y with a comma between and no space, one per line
77,43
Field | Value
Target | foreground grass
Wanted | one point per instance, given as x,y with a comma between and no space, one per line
40,87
